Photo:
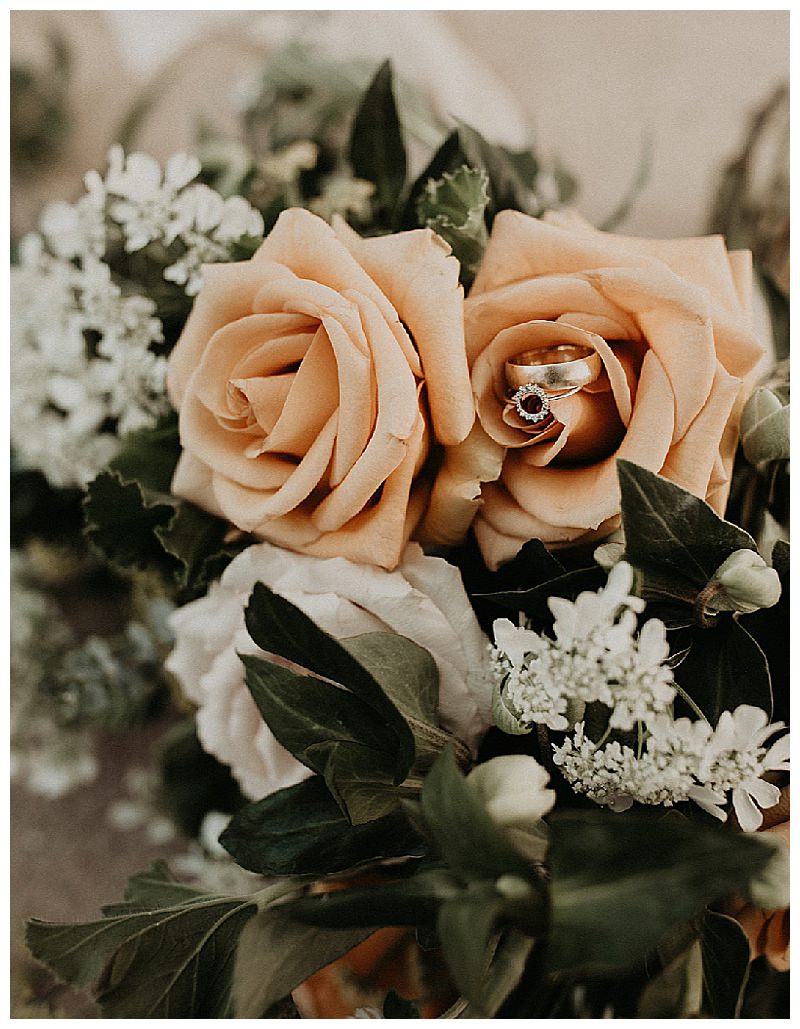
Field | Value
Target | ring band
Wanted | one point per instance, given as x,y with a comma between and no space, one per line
556,368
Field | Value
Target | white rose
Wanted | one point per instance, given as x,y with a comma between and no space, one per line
423,599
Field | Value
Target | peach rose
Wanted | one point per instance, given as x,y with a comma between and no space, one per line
313,382
670,320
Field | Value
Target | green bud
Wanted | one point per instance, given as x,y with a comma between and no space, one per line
764,428
744,582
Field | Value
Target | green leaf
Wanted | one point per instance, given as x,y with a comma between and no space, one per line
149,456
671,530
409,677
275,954
464,833
466,146
193,782
377,152
726,965
301,830
411,901
156,888
454,206
278,627
334,733
725,667
505,970
677,990
619,883
122,522
533,602
465,926
163,963
780,558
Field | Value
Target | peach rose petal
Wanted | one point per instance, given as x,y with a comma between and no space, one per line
299,423
225,451
253,507
226,296
691,463
193,480
265,399
674,321
376,535
417,273
456,494
547,297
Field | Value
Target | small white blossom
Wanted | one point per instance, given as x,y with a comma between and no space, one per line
736,758
596,656
285,165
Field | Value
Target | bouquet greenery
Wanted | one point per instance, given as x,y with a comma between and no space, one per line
488,693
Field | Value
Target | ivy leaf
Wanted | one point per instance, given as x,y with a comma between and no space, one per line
724,668
334,733
533,602
671,530
301,830
164,963
464,833
619,883
275,954
726,964
377,152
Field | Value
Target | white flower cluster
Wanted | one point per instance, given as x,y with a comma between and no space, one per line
84,370
684,760
597,656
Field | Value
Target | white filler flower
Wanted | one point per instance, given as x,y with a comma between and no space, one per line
423,599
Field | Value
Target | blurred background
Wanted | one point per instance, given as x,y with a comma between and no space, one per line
670,122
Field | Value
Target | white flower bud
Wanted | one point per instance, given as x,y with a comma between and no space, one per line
512,788
746,583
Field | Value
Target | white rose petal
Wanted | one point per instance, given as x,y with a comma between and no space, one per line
423,599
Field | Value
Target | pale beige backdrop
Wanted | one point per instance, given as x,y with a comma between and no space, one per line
589,85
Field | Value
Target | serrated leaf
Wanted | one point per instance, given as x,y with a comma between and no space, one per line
462,830
377,152
724,668
726,965
122,522
156,888
454,206
620,883
301,830
172,962
669,529
275,954
466,146
149,456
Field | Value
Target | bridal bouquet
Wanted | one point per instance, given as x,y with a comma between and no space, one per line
431,477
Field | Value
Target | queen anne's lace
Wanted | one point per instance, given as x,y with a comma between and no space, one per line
84,367
597,656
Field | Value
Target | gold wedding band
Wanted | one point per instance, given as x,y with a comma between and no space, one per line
537,378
